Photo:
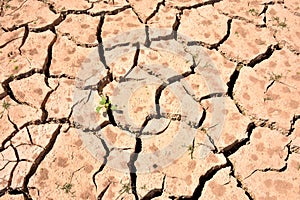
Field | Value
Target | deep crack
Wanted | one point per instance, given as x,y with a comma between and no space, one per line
38,161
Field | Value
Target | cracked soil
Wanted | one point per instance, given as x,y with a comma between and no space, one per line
255,48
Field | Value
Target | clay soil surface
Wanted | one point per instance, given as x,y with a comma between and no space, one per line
220,118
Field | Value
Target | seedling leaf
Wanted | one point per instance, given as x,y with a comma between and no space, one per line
103,100
113,107
98,109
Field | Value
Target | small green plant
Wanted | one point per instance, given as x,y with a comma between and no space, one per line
268,99
5,105
203,129
7,6
106,104
253,12
126,187
191,150
275,77
282,24
279,23
236,33
16,67
144,187
67,187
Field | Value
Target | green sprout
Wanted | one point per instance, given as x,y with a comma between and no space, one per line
67,187
191,150
106,104
7,6
275,77
236,33
268,99
253,12
276,19
281,24
126,187
16,67
5,105
144,187
203,129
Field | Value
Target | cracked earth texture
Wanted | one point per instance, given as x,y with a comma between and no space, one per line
255,48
